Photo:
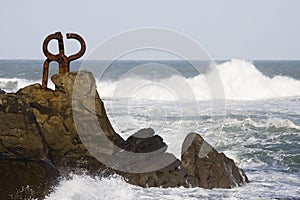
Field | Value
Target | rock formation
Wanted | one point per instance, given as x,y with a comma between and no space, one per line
53,113
18,173
160,169
38,129
206,167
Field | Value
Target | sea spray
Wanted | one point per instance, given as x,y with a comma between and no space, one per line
262,136
83,187
241,81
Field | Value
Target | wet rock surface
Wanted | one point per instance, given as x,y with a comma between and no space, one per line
206,167
19,132
25,178
68,129
145,152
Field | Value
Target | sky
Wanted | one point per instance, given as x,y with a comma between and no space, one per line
227,29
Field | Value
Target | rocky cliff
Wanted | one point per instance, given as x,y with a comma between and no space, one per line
53,132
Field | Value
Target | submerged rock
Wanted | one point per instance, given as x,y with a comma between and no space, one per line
68,128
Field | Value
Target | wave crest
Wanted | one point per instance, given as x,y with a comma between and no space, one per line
276,123
241,81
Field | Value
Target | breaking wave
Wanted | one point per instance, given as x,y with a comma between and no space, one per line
14,84
86,188
275,123
241,81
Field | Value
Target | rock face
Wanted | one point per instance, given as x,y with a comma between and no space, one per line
25,178
67,129
206,167
53,113
19,132
160,169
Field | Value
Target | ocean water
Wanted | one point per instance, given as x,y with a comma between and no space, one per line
258,125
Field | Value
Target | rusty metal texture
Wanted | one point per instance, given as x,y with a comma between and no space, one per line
61,58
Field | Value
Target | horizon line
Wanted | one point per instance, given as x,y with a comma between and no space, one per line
260,59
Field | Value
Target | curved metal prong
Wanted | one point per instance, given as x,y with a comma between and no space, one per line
82,48
58,36
61,58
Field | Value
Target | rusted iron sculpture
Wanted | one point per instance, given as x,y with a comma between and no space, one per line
61,58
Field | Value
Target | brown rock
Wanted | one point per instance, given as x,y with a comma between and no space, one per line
68,127
19,133
25,178
144,161
143,151
144,141
206,167
53,111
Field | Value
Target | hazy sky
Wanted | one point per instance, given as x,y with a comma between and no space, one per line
246,29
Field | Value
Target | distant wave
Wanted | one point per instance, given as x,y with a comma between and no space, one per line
14,84
276,123
241,81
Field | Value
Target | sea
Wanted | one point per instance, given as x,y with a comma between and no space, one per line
256,121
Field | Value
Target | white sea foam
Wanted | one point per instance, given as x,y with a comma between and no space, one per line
264,123
14,84
242,140
85,188
264,185
241,81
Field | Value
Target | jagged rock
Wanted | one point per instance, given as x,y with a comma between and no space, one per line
25,178
54,115
200,166
144,141
169,176
19,132
140,149
144,161
206,167
68,127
